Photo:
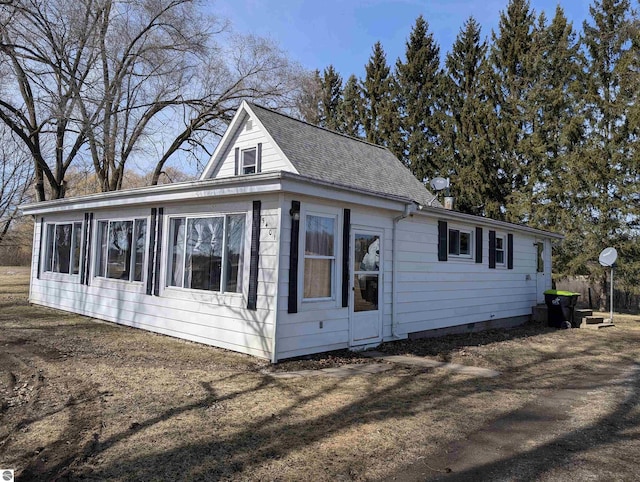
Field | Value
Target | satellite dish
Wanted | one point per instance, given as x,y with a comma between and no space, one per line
608,256
439,183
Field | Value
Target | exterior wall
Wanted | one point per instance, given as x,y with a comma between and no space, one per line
219,319
431,294
435,294
325,325
245,139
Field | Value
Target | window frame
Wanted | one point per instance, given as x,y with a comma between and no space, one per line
243,167
461,230
501,237
303,255
132,262
46,267
168,257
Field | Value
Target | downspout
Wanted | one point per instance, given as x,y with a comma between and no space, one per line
409,209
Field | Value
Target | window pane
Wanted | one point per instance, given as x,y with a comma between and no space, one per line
319,236
62,250
365,293
140,243
77,237
177,252
51,238
101,261
249,161
203,260
317,278
119,250
540,264
235,253
499,243
465,243
366,252
454,241
500,257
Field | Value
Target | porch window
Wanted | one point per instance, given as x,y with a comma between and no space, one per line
121,249
62,249
319,257
460,243
207,253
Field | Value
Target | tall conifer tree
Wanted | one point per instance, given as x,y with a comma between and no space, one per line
351,108
512,64
607,170
330,98
470,126
419,93
380,114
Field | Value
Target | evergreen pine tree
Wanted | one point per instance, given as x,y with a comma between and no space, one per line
470,125
351,108
512,58
608,171
419,98
330,99
377,95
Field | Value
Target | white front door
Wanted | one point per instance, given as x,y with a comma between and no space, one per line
541,280
366,287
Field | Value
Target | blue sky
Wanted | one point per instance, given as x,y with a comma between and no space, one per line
322,32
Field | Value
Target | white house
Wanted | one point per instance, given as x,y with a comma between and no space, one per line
295,240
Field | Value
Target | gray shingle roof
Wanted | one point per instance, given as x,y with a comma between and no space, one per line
328,156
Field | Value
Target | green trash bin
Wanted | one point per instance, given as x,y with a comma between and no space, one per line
560,306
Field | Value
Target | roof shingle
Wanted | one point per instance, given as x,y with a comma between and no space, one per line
329,156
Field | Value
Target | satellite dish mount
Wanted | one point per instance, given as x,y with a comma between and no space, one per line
608,258
440,184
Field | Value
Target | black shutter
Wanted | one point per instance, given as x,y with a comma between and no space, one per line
237,155
87,258
156,271
509,251
293,258
346,236
42,234
252,299
442,240
478,245
492,249
151,251
83,248
259,159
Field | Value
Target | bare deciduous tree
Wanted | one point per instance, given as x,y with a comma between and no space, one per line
16,175
108,81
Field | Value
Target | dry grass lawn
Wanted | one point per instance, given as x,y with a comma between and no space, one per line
86,400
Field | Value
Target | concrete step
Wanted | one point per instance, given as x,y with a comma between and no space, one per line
597,326
582,313
593,320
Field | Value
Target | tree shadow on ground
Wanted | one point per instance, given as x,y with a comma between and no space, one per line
279,432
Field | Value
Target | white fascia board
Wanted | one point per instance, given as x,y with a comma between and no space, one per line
302,185
192,190
221,148
442,213
281,181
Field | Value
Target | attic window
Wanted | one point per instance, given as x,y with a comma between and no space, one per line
249,161
249,125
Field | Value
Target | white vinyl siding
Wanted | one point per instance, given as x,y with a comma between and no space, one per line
249,139
214,318
435,295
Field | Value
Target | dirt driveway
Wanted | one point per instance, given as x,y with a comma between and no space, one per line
85,400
